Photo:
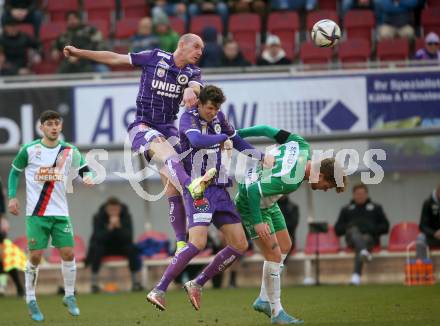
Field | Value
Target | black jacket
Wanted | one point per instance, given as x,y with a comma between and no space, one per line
430,219
368,218
116,237
238,61
16,47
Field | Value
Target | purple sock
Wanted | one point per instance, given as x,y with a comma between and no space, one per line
177,171
178,264
221,261
178,217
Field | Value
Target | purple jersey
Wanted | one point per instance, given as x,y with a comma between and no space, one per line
161,86
197,162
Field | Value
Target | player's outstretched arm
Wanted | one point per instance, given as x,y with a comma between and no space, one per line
105,57
13,205
259,131
198,140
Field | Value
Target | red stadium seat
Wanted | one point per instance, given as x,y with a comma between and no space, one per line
286,26
419,44
178,25
135,8
198,23
310,54
126,28
57,9
354,50
99,9
79,252
328,242
393,50
245,29
21,242
49,32
359,24
430,20
103,26
327,4
47,67
402,235
113,258
318,15
433,3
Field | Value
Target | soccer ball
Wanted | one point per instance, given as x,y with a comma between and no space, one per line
326,33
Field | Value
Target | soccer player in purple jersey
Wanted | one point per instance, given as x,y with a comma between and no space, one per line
167,79
205,131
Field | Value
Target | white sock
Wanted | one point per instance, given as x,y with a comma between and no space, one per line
263,294
68,268
30,276
271,274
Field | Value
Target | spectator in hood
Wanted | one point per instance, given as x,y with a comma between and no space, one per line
273,53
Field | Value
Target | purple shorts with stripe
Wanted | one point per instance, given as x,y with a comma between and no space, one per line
216,207
141,135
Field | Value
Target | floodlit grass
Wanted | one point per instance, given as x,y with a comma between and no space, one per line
326,305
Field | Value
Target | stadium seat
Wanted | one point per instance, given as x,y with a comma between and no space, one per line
430,20
21,242
113,258
360,24
245,29
327,4
354,50
99,10
47,67
126,28
158,236
328,242
375,249
49,32
419,44
286,26
178,25
393,50
103,26
198,23
135,8
318,15
57,9
402,235
310,54
79,251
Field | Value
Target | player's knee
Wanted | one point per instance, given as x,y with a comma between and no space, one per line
67,255
285,247
35,258
200,244
240,245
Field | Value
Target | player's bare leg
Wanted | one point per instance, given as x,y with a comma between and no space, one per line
31,277
271,251
68,269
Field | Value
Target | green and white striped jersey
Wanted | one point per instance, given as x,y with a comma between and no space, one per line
47,171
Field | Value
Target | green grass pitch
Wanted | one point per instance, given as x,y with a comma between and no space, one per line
326,305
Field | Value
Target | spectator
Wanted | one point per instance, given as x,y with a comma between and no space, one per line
6,68
347,5
429,224
113,235
362,222
244,6
170,8
232,56
23,11
144,39
293,4
431,50
396,18
168,38
12,259
19,48
82,36
273,54
209,7
212,54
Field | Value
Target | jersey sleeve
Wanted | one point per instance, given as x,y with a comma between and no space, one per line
21,160
196,78
188,123
79,161
141,58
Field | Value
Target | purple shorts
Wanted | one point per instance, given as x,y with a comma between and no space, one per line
216,207
142,135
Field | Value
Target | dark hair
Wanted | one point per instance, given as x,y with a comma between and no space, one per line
74,13
49,115
360,186
212,93
331,171
113,201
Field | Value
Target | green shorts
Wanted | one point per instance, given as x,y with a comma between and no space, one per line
39,228
272,216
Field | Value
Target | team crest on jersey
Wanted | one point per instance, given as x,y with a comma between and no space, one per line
163,64
38,152
182,79
201,205
160,72
217,128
